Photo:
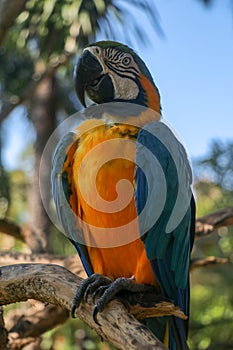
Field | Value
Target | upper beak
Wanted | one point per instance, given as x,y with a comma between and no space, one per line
90,78
87,70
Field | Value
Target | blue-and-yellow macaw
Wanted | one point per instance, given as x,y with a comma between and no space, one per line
158,253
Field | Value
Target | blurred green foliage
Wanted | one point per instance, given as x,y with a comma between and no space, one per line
45,39
4,192
211,287
211,325
48,33
74,335
214,177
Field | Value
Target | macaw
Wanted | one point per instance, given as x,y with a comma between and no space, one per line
155,251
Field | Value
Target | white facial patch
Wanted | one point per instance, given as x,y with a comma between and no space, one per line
125,88
121,68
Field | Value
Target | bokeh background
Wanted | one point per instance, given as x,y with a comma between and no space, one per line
188,47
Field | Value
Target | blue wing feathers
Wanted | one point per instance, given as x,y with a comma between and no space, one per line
168,251
61,193
168,240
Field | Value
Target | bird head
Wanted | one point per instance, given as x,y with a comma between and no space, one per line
109,71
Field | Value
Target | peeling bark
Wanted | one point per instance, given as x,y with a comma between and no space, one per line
56,285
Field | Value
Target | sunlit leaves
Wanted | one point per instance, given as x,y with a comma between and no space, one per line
85,22
49,22
23,17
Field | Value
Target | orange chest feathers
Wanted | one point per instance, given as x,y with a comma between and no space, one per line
103,177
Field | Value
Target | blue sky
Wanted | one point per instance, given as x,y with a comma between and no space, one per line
192,67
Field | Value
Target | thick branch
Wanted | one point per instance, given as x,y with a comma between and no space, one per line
36,324
25,343
56,285
27,324
24,234
204,226
12,229
72,263
209,223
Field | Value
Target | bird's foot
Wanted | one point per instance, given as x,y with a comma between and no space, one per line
106,290
90,285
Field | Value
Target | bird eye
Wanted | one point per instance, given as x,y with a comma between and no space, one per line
126,61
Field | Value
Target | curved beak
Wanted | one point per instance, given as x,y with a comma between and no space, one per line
90,78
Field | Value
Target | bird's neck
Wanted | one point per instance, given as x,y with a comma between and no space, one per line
150,94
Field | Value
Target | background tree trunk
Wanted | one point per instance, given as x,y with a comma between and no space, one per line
43,114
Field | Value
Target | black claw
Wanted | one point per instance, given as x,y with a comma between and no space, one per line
106,290
73,309
87,287
99,292
86,293
76,301
95,287
94,315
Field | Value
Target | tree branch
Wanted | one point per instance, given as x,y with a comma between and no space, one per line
34,325
209,223
72,262
204,225
209,261
53,284
25,343
27,323
24,234
56,285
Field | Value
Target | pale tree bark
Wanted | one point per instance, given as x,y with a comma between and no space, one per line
49,283
56,285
